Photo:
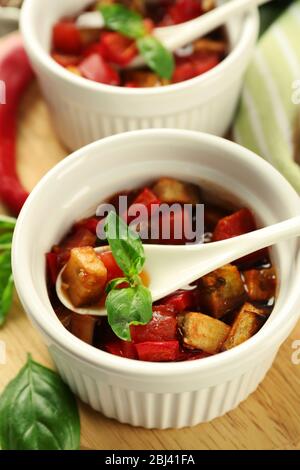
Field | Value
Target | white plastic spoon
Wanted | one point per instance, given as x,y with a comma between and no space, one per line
172,267
177,36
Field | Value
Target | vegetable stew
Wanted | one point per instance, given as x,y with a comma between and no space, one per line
102,55
218,312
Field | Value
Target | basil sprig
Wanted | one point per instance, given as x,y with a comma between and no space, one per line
7,225
38,412
130,305
129,23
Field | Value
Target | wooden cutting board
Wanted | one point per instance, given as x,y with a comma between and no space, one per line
269,419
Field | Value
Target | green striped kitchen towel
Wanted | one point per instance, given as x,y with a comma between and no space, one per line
270,104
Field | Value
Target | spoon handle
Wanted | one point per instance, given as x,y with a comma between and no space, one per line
193,29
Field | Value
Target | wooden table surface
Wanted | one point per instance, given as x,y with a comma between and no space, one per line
269,419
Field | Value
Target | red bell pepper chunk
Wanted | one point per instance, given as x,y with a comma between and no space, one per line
160,328
194,65
184,71
181,300
89,224
185,355
146,198
204,62
95,68
236,224
113,269
164,351
118,49
184,10
121,348
66,38
52,267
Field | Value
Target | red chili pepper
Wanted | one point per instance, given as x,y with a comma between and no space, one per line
164,351
16,74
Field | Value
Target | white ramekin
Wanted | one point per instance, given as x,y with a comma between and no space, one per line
84,111
154,395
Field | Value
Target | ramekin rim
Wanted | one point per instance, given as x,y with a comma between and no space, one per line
102,359
250,30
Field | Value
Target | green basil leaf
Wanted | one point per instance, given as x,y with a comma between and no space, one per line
115,283
156,56
6,285
126,246
38,412
6,241
127,22
125,307
7,223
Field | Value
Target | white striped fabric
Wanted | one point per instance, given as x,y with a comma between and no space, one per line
268,114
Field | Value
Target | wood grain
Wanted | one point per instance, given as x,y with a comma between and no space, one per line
269,419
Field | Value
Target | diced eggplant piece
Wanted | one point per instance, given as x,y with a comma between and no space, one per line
83,326
203,332
169,190
248,321
84,277
222,291
261,284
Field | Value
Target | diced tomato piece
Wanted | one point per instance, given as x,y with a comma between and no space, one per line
121,348
66,60
95,68
204,61
52,267
165,310
90,224
185,10
158,351
148,199
66,38
96,48
184,71
118,49
113,269
181,300
160,328
194,65
236,224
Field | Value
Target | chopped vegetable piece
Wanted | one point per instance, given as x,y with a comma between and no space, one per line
261,284
158,351
66,38
84,277
237,224
66,60
89,224
121,348
118,49
203,332
169,190
95,68
181,300
184,10
78,238
222,291
160,328
113,269
148,198
247,323
210,45
83,326
141,79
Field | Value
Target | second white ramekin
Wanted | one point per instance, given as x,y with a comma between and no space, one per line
154,395
84,111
